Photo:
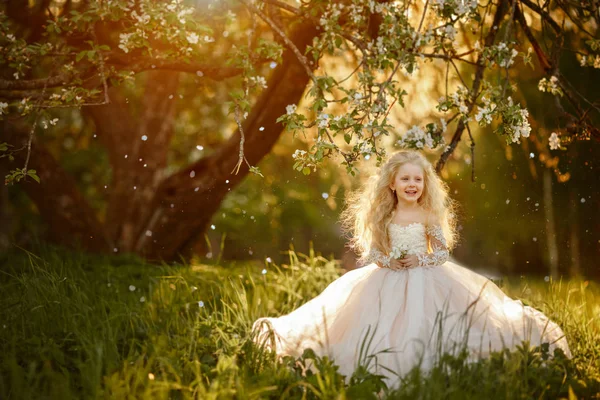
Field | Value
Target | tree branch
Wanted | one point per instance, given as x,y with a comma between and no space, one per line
489,40
216,73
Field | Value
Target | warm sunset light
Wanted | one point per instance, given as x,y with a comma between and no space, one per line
275,199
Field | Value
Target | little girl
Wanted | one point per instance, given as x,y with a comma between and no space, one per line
408,304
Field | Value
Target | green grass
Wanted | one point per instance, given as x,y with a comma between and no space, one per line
80,326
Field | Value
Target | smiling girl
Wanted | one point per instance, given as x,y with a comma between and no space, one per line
408,304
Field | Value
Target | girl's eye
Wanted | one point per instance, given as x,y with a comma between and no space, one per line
404,179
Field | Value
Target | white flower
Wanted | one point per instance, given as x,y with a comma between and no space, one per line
124,41
323,120
192,38
523,130
298,153
259,81
450,32
429,140
10,37
290,109
53,121
3,107
554,141
444,124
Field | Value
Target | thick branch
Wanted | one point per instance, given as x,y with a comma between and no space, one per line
489,40
543,14
213,72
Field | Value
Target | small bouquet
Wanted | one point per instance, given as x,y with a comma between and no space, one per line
398,252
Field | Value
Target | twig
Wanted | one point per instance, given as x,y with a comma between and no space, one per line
303,61
506,33
489,40
472,154
101,56
242,157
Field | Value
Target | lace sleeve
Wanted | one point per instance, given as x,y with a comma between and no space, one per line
377,257
440,253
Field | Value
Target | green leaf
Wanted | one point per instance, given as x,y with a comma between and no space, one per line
33,175
256,170
306,170
80,55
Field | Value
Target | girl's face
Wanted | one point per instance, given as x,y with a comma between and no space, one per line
409,183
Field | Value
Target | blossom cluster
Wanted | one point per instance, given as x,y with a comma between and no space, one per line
590,61
554,141
500,54
550,86
455,8
418,138
456,101
485,112
515,121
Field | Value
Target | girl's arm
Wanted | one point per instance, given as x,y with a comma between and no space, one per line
439,247
377,257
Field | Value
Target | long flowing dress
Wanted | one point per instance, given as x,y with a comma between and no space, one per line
393,320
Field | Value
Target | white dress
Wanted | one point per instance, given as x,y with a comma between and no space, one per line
393,320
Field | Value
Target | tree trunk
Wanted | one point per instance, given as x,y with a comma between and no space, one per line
181,213
157,217
136,144
550,224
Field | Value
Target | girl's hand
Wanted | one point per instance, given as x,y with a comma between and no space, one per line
396,264
409,261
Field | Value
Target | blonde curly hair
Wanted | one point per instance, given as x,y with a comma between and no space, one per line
369,210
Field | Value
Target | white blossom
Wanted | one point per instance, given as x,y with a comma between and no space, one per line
124,41
298,153
323,120
3,107
290,109
554,141
522,130
259,81
550,86
450,32
192,38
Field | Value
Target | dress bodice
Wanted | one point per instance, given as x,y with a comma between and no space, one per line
412,237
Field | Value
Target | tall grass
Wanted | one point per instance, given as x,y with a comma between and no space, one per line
80,326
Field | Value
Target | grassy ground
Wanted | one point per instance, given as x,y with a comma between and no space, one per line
76,326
